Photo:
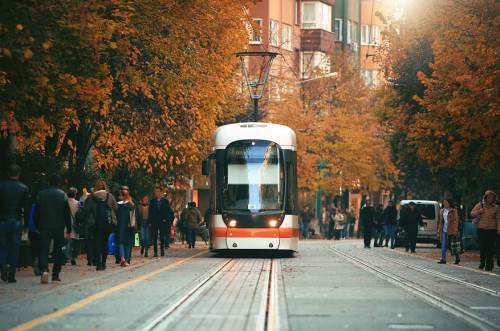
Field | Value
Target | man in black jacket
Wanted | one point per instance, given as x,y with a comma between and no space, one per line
52,215
14,204
411,219
160,220
390,218
367,218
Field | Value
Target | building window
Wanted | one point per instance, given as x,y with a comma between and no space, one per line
337,28
255,31
354,32
371,77
375,35
274,33
370,35
365,34
316,15
286,41
349,31
314,64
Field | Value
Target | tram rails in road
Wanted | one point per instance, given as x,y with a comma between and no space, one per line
459,310
265,305
443,276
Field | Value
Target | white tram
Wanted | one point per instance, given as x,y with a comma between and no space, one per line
253,178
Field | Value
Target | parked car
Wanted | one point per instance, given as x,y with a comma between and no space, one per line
427,233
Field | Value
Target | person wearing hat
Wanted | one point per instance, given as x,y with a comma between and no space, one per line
411,219
488,228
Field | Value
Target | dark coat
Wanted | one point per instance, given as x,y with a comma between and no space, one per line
367,216
390,215
125,230
411,220
90,207
52,210
161,214
14,200
191,218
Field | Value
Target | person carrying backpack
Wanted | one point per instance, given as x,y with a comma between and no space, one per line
100,216
191,218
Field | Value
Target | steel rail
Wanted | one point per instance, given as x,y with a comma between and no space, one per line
433,299
163,317
272,310
442,275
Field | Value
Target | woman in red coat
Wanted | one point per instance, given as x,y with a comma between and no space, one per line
448,229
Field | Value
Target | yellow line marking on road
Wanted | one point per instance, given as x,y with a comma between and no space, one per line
453,265
94,297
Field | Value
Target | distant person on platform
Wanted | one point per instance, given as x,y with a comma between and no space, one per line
367,218
487,215
191,218
411,219
161,217
390,218
14,206
52,216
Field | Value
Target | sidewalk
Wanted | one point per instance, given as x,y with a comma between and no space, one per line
29,285
469,259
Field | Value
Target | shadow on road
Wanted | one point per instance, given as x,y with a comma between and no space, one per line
254,254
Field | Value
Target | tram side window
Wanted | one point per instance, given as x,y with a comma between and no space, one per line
291,204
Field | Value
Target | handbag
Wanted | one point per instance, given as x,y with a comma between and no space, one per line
477,219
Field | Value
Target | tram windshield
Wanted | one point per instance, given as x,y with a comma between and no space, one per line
254,177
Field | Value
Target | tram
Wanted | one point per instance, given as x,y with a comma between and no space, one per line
253,178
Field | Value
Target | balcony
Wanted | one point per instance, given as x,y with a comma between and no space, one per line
317,40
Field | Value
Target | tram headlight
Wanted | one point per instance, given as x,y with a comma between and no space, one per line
232,223
273,223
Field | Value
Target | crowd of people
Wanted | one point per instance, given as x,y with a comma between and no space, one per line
61,226
380,225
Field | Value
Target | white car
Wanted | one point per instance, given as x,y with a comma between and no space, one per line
430,216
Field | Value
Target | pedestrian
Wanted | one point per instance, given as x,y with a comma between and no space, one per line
100,215
126,226
145,232
339,224
191,218
379,226
161,217
367,219
349,217
305,220
52,216
74,244
331,222
14,212
448,230
390,217
411,219
487,215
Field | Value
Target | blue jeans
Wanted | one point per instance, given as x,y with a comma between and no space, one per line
10,241
444,236
125,251
191,237
390,234
145,234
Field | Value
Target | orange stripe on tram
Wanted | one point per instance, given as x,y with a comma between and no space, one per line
256,232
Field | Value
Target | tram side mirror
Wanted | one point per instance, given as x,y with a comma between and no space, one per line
205,168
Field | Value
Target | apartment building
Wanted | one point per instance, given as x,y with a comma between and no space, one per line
374,17
347,19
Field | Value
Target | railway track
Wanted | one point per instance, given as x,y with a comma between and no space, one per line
439,301
267,317
442,276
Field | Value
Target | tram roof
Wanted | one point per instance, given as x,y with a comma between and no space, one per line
280,134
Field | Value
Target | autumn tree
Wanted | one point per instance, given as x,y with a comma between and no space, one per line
443,60
135,84
340,144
